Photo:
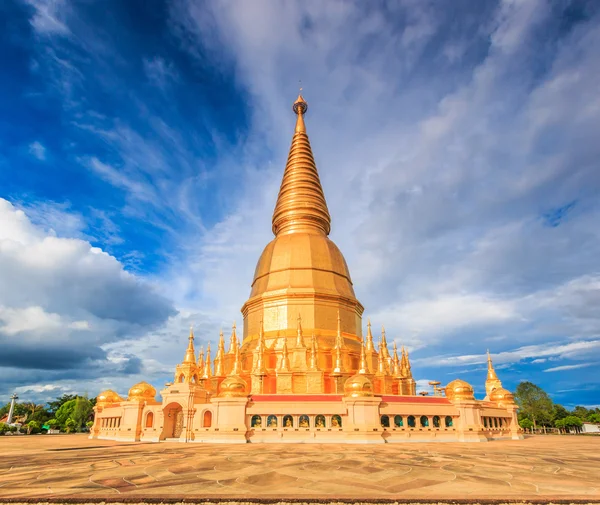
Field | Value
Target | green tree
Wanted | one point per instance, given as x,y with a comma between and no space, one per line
526,424
89,424
53,423
4,428
59,402
581,412
81,412
559,412
70,425
534,403
64,412
594,418
571,422
32,427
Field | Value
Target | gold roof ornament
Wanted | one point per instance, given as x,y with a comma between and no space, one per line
301,204
233,387
108,396
142,391
190,353
358,386
220,356
381,364
492,381
502,397
260,368
384,345
236,368
459,390
339,340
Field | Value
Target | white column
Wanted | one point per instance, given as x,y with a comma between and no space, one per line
13,399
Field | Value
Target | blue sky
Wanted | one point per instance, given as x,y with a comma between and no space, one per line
142,145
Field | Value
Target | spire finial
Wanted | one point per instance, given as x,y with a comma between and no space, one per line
301,205
190,353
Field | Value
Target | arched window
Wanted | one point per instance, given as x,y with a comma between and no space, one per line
336,421
448,421
288,421
436,421
207,420
385,421
424,421
398,421
411,421
256,422
149,420
272,421
181,378
320,421
304,422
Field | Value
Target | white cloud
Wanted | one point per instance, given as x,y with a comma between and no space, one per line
48,18
37,150
568,367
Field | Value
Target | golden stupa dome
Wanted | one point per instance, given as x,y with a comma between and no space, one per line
142,391
459,390
233,387
501,395
358,385
108,396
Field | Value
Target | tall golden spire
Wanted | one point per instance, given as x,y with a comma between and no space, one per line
201,359
235,369
339,341
190,353
301,205
492,382
396,365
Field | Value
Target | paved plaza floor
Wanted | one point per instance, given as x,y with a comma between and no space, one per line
60,466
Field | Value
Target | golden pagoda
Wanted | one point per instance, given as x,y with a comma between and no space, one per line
303,371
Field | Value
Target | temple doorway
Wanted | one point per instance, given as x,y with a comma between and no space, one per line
173,426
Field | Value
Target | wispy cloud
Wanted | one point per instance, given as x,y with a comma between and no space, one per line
562,368
37,150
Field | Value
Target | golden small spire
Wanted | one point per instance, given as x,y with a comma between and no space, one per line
339,364
260,368
201,359
384,345
190,353
370,346
396,370
301,204
219,357
403,364
381,368
363,368
233,341
235,369
314,365
207,369
284,366
408,365
299,337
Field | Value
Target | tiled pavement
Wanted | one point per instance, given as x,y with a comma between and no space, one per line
60,466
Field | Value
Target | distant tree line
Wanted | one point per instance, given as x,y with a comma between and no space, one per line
536,409
68,413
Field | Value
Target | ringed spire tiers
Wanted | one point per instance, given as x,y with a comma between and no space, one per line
301,205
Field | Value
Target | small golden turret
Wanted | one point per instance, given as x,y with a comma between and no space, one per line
363,367
339,341
314,362
381,364
384,346
207,368
260,368
235,369
201,359
404,364
220,356
396,371
233,341
369,347
299,336
190,354
285,358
